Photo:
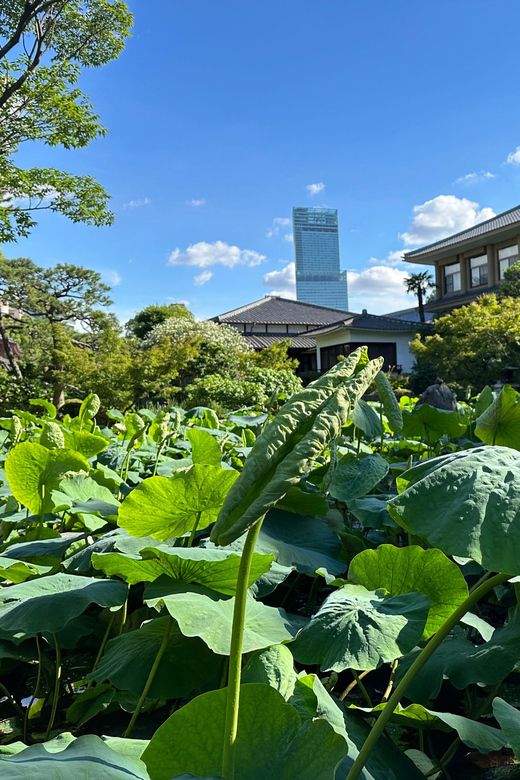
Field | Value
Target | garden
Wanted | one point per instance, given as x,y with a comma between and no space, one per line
322,588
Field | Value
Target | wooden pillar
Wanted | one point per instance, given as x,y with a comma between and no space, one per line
492,265
465,276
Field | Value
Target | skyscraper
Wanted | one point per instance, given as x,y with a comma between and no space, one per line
316,249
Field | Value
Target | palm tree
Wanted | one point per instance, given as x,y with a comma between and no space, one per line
418,284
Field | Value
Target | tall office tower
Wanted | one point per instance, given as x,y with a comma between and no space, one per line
316,250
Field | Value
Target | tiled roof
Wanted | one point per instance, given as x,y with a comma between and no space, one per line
261,341
451,300
365,321
275,310
501,220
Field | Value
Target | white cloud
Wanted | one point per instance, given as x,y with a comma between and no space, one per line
196,202
182,301
513,158
315,189
278,222
205,254
282,282
111,277
378,289
288,237
392,259
442,216
202,278
474,178
135,204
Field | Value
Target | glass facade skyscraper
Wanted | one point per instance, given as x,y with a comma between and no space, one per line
316,249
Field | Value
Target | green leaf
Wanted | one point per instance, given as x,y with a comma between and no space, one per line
413,570
187,664
356,476
463,663
82,489
47,604
166,507
288,446
83,759
484,400
204,447
429,423
89,408
18,571
358,629
33,472
466,504
247,420
90,703
50,409
270,743
88,444
390,403
509,720
500,422
385,762
366,419
302,503
371,511
303,543
216,569
273,666
208,615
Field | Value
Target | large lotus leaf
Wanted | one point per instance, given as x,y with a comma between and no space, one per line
429,423
18,571
85,758
204,613
301,503
34,472
484,399
500,422
356,476
463,663
509,720
216,569
81,561
385,762
366,419
45,551
81,489
413,570
50,409
270,742
389,401
88,444
359,629
466,504
303,543
371,511
187,663
48,603
204,447
90,703
474,734
164,507
273,666
288,446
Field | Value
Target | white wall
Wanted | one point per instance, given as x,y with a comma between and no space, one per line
400,338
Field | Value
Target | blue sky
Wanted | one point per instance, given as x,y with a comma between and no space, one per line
404,116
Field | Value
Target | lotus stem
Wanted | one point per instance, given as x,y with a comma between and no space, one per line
57,679
415,668
362,688
36,689
194,530
12,701
353,684
150,679
102,647
390,685
235,655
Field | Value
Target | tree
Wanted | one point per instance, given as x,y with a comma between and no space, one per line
274,356
473,344
44,44
61,297
419,284
145,321
510,284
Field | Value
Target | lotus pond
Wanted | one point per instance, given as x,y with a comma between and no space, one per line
326,591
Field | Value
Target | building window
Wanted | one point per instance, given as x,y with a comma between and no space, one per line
507,257
452,277
479,270
387,350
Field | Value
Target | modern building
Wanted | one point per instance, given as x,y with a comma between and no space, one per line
472,262
319,334
316,250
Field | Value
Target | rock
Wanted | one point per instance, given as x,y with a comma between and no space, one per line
438,395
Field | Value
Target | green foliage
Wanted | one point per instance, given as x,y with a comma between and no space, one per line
274,357
142,324
224,391
499,423
473,344
45,45
422,375
510,284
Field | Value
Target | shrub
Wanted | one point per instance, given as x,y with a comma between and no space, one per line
227,393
